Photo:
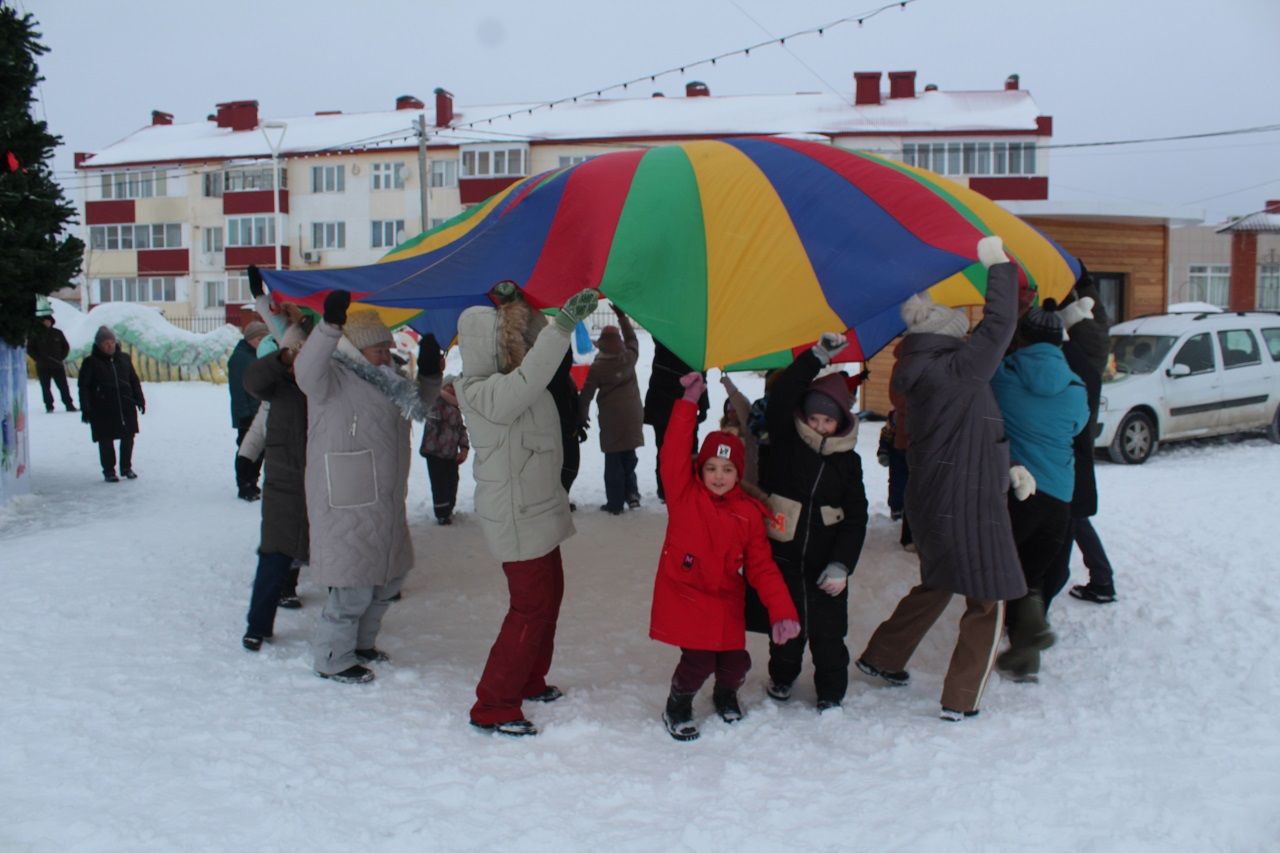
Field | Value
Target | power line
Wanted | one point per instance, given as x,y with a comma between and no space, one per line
1265,128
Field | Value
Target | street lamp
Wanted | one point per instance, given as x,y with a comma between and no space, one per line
275,175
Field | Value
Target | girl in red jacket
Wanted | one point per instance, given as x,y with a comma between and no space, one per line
715,534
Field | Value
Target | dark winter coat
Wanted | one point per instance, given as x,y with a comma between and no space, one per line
612,381
48,347
819,482
443,433
958,452
1091,334
665,388
243,405
714,547
284,495
1084,500
110,394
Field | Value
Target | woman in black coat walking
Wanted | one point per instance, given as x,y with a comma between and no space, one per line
110,400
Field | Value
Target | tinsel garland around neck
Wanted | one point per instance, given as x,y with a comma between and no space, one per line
399,390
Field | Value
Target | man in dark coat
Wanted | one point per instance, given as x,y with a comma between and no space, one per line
244,407
48,348
110,400
664,390
956,496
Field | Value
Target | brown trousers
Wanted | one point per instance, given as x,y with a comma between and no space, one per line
893,643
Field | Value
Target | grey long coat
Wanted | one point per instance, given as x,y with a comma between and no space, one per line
958,452
358,455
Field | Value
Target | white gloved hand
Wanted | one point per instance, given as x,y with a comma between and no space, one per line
1021,482
829,346
991,251
1081,309
834,578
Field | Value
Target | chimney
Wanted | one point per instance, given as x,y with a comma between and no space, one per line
80,157
158,117
408,102
1272,206
444,108
328,112
902,84
238,115
1011,82
696,89
868,88
657,95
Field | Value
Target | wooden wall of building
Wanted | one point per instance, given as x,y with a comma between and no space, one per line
1139,252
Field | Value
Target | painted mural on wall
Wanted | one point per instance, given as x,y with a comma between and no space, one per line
14,461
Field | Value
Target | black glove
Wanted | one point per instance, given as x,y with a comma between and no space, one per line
255,281
84,416
581,433
864,375
142,408
335,307
429,356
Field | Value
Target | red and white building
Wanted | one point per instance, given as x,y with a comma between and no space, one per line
175,212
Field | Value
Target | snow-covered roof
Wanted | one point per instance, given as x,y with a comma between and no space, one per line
1264,222
722,115
1133,213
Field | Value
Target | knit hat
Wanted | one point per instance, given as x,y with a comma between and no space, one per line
817,403
828,395
104,334
610,340
723,445
256,329
1042,325
365,329
923,316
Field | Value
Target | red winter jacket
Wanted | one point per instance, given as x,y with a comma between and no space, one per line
699,594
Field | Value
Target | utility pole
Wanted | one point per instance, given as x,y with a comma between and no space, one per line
275,177
424,177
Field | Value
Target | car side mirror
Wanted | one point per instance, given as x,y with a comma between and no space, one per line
1178,370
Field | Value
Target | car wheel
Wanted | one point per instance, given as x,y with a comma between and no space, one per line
1135,440
1273,431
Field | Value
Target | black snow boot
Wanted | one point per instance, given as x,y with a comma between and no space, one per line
1096,593
679,716
726,702
897,678
1029,635
351,675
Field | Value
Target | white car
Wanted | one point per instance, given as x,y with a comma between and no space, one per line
1189,375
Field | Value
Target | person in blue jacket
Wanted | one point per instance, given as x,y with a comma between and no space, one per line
1044,408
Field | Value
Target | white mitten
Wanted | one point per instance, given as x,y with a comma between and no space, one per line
834,578
829,346
1081,309
1021,482
991,251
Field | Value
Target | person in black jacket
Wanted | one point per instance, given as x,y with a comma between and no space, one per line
664,389
244,407
48,348
110,400
819,520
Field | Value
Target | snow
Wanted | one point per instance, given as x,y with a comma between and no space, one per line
134,720
1193,307
145,329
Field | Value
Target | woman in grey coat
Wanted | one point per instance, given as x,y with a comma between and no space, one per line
956,497
358,455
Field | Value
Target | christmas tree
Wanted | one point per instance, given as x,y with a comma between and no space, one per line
36,257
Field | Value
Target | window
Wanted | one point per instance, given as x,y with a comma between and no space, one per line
151,289
156,235
388,176
328,179
972,158
1269,287
1272,337
437,222
444,173
143,184
213,239
251,231
1140,353
329,235
215,294
211,184
1209,283
573,160
251,178
238,288
493,162
387,233
1197,354
1239,348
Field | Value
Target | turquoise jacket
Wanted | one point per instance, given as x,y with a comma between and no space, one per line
1044,408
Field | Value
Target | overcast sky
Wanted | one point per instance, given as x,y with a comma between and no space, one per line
1104,69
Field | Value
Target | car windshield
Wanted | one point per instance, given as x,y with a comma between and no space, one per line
1139,353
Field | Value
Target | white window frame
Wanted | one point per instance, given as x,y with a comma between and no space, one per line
212,239
386,176
567,160
493,160
328,235
250,231
215,294
237,291
145,289
129,237
972,158
329,179
251,179
145,183
444,173
1209,283
1268,287
383,233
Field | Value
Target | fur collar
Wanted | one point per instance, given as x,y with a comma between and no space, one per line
399,390
830,444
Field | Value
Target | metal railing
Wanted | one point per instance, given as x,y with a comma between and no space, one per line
198,324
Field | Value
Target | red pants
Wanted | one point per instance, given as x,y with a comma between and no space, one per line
520,657
697,665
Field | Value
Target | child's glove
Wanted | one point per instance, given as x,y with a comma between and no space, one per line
833,579
576,309
1081,309
991,251
255,282
829,346
694,385
784,630
1021,482
882,456
335,307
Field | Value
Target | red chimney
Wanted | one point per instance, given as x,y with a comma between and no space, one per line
696,89
902,84
408,102
1011,82
238,115
328,112
80,157
1272,205
158,117
444,108
868,92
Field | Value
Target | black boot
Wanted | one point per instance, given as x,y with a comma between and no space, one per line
1029,635
679,716
726,702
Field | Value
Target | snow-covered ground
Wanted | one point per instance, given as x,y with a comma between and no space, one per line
133,720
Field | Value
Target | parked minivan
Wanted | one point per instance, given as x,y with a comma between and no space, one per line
1189,375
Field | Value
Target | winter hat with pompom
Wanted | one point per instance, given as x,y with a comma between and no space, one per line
923,316
1042,325
365,329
